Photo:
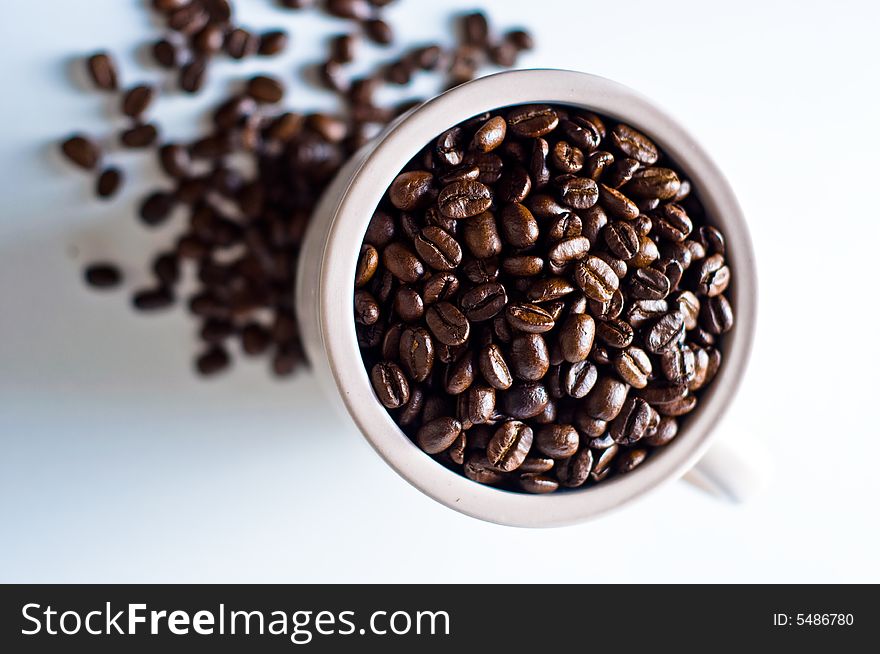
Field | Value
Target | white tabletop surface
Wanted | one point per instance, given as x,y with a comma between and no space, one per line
118,465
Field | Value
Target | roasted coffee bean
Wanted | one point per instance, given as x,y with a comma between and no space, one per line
447,323
634,144
480,271
529,357
557,441
391,341
108,182
581,133
667,429
535,464
659,393
678,407
671,269
518,226
567,158
153,299
632,423
483,302
440,286
411,190
532,120
102,70
596,279
463,199
619,266
665,333
630,459
617,204
136,100
494,368
649,284
672,222
403,263
156,208
615,333
82,151
514,185
523,266
568,250
524,400
265,89
578,192
606,398
271,43
412,410
597,163
192,75
716,315
438,249
378,31
634,366
604,440
167,54
212,361
678,364
509,446
714,276
622,239
711,239
366,309
538,167
103,275
480,234
528,317
476,405
139,136
408,304
621,172
458,174
491,134
576,337
565,226
641,312
478,468
660,183
579,378
439,434
390,384
549,289
607,310
575,471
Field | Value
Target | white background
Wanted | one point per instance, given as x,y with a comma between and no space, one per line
118,465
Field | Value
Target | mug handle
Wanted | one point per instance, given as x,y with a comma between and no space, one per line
734,469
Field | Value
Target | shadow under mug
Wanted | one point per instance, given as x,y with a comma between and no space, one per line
324,297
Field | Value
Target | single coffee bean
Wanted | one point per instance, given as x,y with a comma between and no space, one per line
660,183
139,136
103,275
108,182
464,199
483,302
659,393
678,364
537,483
524,400
667,429
569,249
272,43
478,468
438,249
549,289
523,266
102,70
514,185
509,446
634,144
378,31
153,299
671,269
575,471
581,133
480,234
439,287
664,333
557,441
476,405
607,310
408,304
390,384
136,100
714,276
619,266
532,120
716,315
631,424
447,323
672,222
622,239
528,317
458,174
494,368
617,204
518,226
411,190
491,134
368,262
649,284
156,208
576,337
366,309
439,434
679,407
629,460
529,357
596,279
579,378
711,239
567,158
615,333
578,192
606,398
634,366
536,464
403,263
621,172
81,151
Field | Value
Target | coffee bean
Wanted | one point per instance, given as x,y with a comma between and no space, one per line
81,151
716,315
136,100
579,378
447,323
532,121
667,429
352,9
660,183
529,357
576,337
103,275
438,249
156,208
440,286
678,407
615,333
378,31
659,393
524,400
648,253
581,133
634,144
494,368
483,302
367,265
481,236
649,284
578,192
403,263
672,222
192,75
596,279
408,304
463,199
102,70
509,446
153,299
575,470
514,185
108,182
678,364
439,434
634,366
174,160
549,289
570,249
617,204
478,468
630,459
272,43
390,384
528,317
664,333
606,398
366,309
476,406
714,276
711,239
491,134
567,158
518,226
537,483
631,424
622,239
557,441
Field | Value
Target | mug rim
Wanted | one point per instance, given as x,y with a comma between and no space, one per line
382,162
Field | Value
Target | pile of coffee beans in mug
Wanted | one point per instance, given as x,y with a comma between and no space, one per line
540,298
247,186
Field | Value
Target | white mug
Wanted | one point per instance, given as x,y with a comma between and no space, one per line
324,297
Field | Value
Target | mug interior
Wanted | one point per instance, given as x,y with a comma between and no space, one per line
367,185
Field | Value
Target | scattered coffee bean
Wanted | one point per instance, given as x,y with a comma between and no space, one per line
136,100
81,151
103,275
102,70
108,182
